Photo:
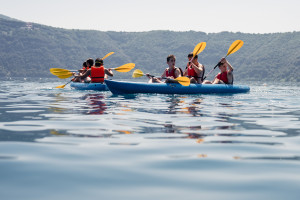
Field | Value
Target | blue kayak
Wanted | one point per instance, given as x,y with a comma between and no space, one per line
89,86
125,87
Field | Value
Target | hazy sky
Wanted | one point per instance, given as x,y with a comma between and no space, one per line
248,16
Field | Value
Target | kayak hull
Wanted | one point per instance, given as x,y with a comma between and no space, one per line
89,86
123,87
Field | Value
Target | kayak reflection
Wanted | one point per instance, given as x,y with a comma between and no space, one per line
95,104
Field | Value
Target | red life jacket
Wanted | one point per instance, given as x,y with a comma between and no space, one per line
85,69
192,72
172,73
223,77
97,74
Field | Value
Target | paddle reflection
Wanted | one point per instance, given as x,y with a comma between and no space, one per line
194,108
57,107
173,104
176,102
179,104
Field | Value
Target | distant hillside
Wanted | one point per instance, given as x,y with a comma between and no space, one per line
7,18
30,50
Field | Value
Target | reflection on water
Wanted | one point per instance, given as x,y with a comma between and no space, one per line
95,104
193,117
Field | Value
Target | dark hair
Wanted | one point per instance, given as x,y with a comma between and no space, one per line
84,64
90,61
191,55
170,56
220,64
98,62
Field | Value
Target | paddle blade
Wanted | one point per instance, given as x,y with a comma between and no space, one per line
125,68
185,81
236,45
108,55
137,73
199,48
59,73
59,70
65,76
54,69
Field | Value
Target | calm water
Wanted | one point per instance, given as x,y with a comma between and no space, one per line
67,144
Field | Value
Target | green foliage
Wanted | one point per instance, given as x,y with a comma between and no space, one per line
31,50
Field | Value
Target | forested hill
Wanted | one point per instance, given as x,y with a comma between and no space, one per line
30,50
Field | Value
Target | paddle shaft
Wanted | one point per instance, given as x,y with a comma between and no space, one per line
63,86
68,83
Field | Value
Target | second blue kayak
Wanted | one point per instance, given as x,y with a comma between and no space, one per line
89,86
125,87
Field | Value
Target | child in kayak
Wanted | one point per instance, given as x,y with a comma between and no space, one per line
85,66
225,76
79,71
97,73
194,70
170,73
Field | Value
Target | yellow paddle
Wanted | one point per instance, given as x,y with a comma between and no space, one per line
64,76
199,48
62,86
110,53
138,73
185,81
60,72
125,68
236,45
53,70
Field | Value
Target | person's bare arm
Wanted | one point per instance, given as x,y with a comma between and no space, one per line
86,74
109,72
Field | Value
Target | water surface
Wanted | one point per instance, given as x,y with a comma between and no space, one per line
69,144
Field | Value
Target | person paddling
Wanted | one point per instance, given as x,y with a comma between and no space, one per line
85,66
170,73
194,70
225,76
97,73
80,72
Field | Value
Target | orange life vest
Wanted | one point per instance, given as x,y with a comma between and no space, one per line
97,74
